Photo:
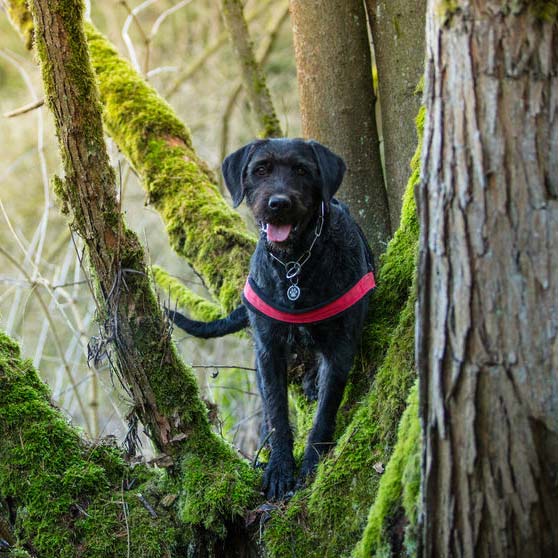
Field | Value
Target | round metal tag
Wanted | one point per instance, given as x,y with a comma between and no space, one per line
293,292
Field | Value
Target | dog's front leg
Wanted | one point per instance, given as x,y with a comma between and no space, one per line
272,370
333,373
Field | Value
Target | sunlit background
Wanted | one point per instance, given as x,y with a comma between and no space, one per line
45,303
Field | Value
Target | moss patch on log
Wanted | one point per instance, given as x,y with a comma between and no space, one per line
70,496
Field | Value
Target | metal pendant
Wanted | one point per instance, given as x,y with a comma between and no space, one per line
293,292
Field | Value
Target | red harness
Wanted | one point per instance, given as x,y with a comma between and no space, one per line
254,300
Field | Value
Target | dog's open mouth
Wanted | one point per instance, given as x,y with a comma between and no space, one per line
278,233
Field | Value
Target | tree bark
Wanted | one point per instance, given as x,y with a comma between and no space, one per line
337,103
488,289
398,35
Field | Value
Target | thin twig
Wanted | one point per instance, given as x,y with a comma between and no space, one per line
132,17
264,442
57,342
25,108
125,510
164,15
214,47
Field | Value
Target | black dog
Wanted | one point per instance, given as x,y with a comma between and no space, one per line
310,254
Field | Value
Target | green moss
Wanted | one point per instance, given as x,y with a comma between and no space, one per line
19,14
67,493
216,487
544,10
446,9
326,519
398,489
199,307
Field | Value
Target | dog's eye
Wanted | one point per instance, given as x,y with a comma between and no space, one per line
261,170
301,171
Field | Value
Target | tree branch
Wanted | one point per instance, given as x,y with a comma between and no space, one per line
252,74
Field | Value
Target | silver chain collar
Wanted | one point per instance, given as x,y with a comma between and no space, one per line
294,267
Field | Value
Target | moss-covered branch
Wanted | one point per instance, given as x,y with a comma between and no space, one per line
199,307
201,226
252,74
128,309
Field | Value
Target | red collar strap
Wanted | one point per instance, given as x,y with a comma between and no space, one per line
253,298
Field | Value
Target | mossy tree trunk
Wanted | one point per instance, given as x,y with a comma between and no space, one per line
212,483
334,74
131,319
488,294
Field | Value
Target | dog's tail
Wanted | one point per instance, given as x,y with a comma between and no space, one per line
235,321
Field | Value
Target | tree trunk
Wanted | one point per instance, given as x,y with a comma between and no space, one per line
398,35
165,393
337,103
488,289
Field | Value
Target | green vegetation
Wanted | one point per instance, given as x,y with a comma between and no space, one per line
68,492
397,500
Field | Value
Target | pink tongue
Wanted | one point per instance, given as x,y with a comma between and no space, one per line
278,233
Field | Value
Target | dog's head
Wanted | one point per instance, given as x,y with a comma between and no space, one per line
284,182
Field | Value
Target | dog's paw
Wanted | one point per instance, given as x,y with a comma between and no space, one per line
278,479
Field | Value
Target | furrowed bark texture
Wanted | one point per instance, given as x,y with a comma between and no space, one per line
337,103
398,35
488,289
252,74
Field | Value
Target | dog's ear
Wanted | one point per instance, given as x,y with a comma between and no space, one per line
234,169
332,169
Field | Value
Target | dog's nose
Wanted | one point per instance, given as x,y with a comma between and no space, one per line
278,202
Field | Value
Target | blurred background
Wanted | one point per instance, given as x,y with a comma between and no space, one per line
45,302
